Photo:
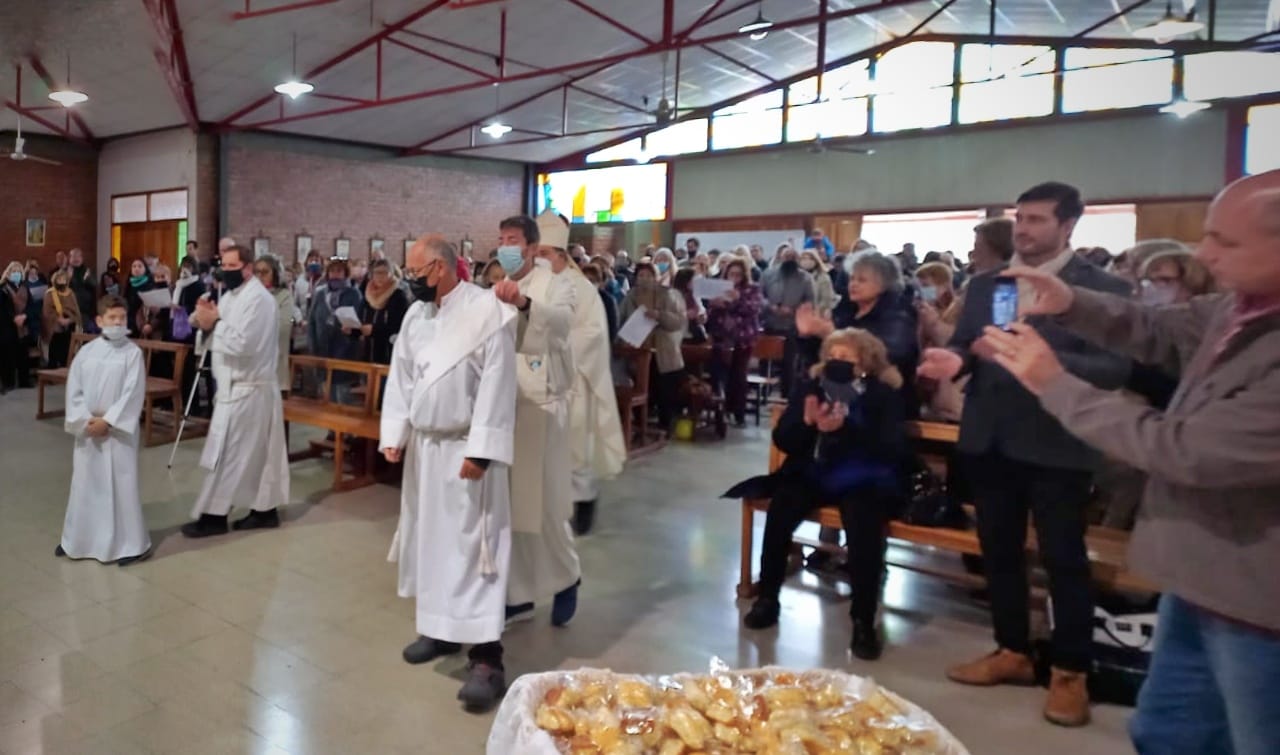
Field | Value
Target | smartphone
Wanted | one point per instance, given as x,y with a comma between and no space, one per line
1004,302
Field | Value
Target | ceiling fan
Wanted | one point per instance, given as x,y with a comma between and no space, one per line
17,152
819,146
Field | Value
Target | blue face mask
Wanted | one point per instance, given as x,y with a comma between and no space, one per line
511,258
663,267
15,278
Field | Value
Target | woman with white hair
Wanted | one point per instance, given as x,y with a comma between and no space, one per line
664,261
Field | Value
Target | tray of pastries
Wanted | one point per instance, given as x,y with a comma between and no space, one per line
769,711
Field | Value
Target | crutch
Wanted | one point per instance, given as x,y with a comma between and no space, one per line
195,386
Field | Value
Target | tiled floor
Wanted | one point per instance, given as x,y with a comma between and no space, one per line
289,640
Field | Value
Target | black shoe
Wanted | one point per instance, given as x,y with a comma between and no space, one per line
517,614
763,614
59,552
134,559
206,526
584,516
256,520
426,649
866,642
565,605
484,687
739,420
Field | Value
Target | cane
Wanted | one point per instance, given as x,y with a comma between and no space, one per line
195,385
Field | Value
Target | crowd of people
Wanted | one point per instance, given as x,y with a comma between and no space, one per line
484,387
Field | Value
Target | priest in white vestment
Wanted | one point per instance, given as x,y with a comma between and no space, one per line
449,410
597,450
106,386
544,560
244,453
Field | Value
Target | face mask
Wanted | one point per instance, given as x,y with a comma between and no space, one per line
137,280
113,289
511,258
1158,294
314,268
838,371
60,286
421,291
115,332
809,265
336,284
663,267
542,262
929,293
186,275
33,277
232,279
15,278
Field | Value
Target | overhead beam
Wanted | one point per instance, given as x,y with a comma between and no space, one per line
610,21
929,19
29,113
710,16
748,68
567,68
607,98
386,31
38,68
171,55
248,12
493,56
414,48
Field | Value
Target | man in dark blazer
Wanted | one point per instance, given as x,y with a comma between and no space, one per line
1020,459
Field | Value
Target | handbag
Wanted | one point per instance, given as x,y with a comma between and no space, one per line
930,505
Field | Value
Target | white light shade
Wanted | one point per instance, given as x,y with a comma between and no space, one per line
1169,27
68,97
756,36
759,28
496,130
294,89
1183,108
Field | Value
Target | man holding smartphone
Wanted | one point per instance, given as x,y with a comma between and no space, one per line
1020,459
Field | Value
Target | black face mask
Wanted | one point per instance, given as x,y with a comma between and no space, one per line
838,371
790,266
232,279
421,291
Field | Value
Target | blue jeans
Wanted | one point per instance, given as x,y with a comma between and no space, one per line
1212,687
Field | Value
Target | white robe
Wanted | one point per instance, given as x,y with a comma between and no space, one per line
543,558
597,449
245,451
104,520
451,395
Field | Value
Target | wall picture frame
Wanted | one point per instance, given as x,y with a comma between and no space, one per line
35,231
404,254
342,248
377,245
302,246
261,246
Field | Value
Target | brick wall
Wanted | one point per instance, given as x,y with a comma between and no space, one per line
206,209
64,195
281,193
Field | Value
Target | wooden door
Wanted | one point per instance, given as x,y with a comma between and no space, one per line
158,237
843,230
1183,221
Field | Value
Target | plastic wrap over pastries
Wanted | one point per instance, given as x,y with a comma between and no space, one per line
769,711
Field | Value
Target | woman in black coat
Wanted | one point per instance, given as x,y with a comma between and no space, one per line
843,436
385,304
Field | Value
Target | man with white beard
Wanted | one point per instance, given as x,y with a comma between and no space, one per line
544,561
597,449
450,405
244,452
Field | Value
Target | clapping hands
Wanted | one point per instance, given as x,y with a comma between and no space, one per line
826,416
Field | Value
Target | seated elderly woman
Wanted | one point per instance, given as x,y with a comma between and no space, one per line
843,435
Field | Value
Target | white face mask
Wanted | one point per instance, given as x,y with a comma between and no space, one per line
1158,294
542,262
115,333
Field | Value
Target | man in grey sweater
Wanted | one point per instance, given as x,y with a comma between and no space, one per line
1208,532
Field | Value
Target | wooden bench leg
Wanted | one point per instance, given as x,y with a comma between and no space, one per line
746,588
338,461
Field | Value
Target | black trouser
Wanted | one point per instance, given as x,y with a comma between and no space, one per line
865,514
729,376
1004,491
59,348
668,396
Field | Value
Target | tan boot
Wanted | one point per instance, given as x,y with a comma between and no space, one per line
1068,701
1001,667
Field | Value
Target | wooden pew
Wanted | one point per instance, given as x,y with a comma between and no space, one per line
1106,547
361,420
58,375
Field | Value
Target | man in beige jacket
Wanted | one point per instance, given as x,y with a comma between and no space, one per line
1208,532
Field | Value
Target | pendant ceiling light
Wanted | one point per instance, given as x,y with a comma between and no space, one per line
759,28
496,129
1170,26
68,95
293,87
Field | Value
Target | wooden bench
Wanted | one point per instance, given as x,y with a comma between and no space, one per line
58,375
1106,547
360,420
158,388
